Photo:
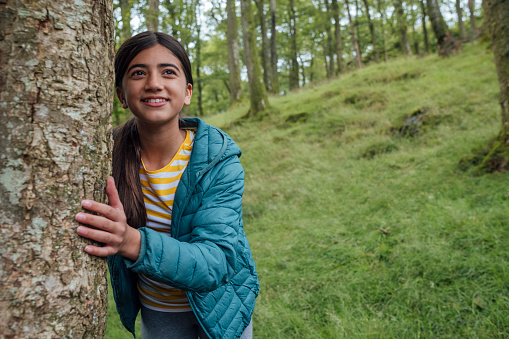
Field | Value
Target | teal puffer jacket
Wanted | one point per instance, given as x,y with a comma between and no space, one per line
208,254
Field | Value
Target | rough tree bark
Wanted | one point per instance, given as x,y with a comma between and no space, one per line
352,33
273,47
257,92
496,13
233,53
55,116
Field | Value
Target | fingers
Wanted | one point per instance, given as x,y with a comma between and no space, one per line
103,209
99,236
96,221
99,251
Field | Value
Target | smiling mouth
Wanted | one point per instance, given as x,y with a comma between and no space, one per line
155,100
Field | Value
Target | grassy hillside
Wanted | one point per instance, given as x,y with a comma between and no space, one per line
363,228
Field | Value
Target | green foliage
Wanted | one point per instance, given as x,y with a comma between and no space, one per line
400,244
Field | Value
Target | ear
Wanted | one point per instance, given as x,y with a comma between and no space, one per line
120,96
189,94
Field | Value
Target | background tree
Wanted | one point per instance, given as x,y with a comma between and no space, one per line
56,92
265,52
273,48
445,40
352,34
233,53
497,24
258,94
152,15
338,36
461,26
294,64
372,32
423,24
402,27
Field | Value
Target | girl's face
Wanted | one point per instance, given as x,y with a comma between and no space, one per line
154,86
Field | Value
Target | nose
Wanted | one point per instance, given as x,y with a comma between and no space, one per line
153,82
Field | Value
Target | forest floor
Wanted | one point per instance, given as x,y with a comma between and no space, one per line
364,221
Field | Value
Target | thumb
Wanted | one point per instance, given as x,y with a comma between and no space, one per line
112,193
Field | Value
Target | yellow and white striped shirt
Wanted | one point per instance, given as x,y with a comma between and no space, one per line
159,190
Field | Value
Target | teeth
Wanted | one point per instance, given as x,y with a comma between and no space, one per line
155,100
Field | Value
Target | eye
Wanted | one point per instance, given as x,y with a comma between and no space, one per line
137,73
169,72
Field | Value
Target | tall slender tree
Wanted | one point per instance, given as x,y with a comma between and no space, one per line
152,15
352,34
294,64
372,32
423,24
402,27
273,47
125,12
267,66
55,150
473,28
461,25
257,92
236,94
328,31
496,13
339,38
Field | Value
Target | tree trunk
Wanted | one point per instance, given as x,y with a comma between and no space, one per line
233,53
357,25
273,47
352,33
199,84
267,68
258,94
294,64
402,27
55,118
372,32
445,40
330,50
125,12
473,28
423,22
496,13
459,11
152,16
382,17
339,40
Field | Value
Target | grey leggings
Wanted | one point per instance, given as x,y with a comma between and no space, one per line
178,325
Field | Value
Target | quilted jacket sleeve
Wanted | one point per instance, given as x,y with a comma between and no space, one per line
207,259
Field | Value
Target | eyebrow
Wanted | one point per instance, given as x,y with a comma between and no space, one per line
158,66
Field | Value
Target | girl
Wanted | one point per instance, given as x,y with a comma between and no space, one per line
173,229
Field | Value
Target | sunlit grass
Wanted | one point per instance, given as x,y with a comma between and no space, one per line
359,232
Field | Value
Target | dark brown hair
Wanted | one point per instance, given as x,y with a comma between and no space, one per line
127,148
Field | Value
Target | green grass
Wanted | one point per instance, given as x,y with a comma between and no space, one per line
359,232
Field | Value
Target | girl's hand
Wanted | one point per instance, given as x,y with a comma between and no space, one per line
113,229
